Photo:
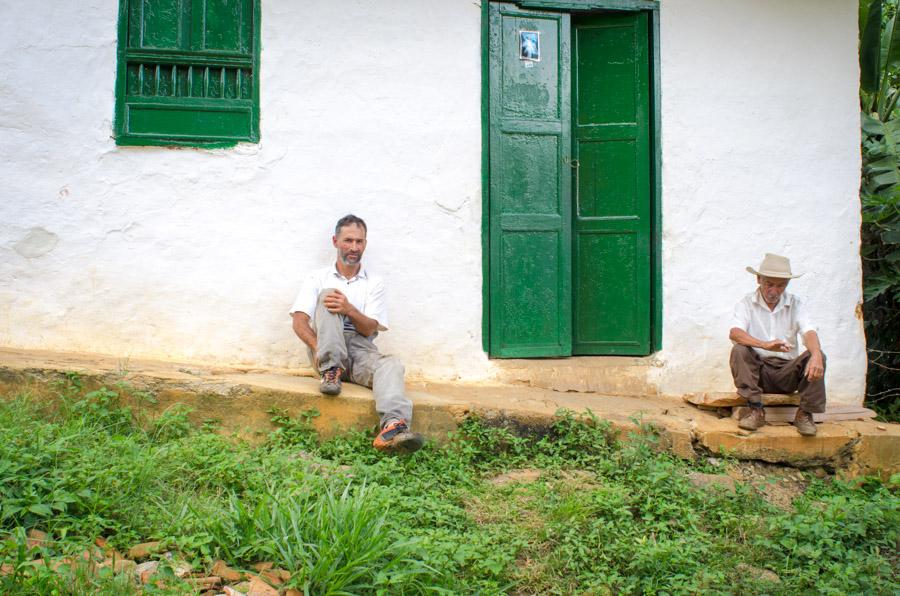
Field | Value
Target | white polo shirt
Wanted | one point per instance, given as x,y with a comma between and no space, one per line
784,322
365,291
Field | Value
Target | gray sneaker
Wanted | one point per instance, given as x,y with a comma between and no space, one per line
804,423
331,381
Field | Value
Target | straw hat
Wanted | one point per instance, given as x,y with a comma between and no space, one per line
774,266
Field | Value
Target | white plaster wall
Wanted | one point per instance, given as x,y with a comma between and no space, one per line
374,107
761,154
187,253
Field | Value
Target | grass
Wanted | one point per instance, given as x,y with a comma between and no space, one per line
596,516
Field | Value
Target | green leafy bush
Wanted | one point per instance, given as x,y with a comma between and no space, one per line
880,198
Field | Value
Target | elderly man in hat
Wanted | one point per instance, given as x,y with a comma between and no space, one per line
765,358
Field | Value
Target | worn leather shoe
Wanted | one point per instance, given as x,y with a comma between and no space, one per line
753,419
804,423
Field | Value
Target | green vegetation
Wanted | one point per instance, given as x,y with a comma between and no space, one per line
595,515
879,59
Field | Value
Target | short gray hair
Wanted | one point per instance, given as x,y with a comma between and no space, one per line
350,220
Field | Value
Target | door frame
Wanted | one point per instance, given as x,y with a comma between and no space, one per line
652,8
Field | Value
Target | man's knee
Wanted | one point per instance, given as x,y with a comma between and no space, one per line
391,365
323,293
742,353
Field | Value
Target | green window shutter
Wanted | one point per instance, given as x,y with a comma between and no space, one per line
188,72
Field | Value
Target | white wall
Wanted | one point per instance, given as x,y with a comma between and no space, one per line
374,107
760,119
198,254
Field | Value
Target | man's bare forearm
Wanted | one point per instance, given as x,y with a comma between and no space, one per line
336,302
743,338
815,370
304,331
811,339
364,325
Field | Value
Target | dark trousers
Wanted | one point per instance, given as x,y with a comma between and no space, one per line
754,374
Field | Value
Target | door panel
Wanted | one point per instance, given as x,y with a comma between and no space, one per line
613,256
616,178
530,186
531,174
611,131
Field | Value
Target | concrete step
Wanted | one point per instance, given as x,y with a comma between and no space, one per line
619,375
239,397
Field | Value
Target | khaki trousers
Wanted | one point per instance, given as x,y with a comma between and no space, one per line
753,374
362,363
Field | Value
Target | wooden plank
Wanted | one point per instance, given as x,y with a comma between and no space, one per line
785,414
727,400
230,59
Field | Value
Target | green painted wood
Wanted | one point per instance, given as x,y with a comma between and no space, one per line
156,24
629,5
223,26
530,186
612,212
187,58
656,141
188,72
485,180
203,119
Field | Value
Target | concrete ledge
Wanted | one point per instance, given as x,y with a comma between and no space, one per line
239,397
619,375
778,444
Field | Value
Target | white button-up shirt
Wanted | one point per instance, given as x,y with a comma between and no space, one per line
365,291
788,318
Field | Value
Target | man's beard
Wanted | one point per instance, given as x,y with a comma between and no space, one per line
347,259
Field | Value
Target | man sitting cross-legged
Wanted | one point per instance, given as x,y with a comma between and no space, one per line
765,358
337,314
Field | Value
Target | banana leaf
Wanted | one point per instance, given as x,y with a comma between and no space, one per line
870,49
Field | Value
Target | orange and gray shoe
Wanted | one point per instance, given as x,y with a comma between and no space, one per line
395,437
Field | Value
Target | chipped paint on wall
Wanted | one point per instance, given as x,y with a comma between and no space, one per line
36,243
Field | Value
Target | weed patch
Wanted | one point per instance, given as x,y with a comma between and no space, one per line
576,510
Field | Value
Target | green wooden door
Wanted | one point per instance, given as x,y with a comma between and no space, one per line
569,184
530,183
611,131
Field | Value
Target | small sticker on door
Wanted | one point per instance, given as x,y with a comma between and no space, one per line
530,46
